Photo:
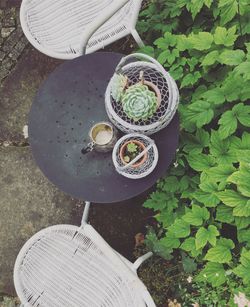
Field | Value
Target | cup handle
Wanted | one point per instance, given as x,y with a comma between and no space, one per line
88,148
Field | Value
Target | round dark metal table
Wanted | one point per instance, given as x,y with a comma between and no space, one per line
67,105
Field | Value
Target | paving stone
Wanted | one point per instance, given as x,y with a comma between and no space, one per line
18,91
28,203
5,32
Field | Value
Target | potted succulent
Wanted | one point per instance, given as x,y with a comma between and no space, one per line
130,150
140,100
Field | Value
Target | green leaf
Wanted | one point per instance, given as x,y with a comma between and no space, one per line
221,172
228,124
170,241
213,273
242,112
196,7
231,57
210,58
180,229
224,214
199,141
242,222
189,265
196,216
242,179
214,96
201,238
204,235
228,9
199,113
242,209
149,50
220,149
200,162
207,194
244,235
166,217
243,269
221,252
157,201
190,79
244,70
231,198
201,41
188,245
163,57
225,37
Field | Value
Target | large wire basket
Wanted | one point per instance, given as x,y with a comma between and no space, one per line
152,72
149,163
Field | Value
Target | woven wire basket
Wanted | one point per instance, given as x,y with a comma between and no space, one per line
155,73
127,170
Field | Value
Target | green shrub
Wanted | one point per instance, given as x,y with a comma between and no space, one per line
203,204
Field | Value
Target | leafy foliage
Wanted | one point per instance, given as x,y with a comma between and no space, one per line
203,205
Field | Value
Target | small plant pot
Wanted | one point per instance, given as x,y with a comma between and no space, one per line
123,152
152,87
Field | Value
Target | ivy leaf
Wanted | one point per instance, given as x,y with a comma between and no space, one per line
228,124
210,58
231,198
224,214
214,96
225,37
170,241
180,229
201,41
200,162
196,216
213,273
199,113
243,269
242,209
221,252
231,57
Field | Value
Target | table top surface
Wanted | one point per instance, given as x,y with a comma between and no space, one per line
66,106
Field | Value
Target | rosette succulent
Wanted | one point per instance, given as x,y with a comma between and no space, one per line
139,102
118,84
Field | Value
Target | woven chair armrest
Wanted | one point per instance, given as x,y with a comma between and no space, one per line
99,21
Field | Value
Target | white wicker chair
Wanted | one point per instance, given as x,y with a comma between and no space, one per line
62,28
70,266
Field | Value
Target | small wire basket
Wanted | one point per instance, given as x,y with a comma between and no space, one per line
149,163
152,72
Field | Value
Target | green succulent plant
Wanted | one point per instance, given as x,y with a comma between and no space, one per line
139,102
118,84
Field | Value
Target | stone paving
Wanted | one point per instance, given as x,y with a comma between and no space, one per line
28,201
